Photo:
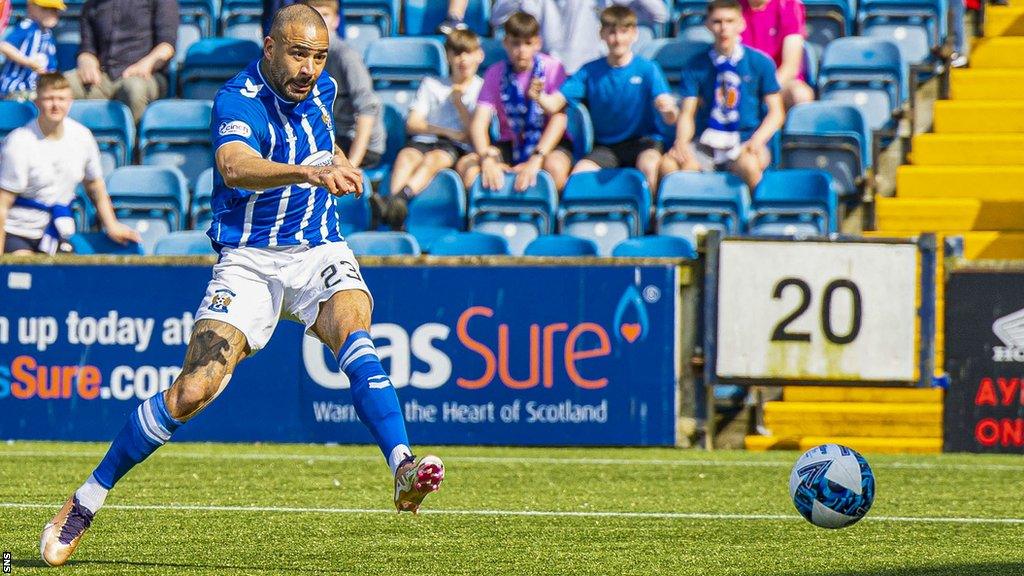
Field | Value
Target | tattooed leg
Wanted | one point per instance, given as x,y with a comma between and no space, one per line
213,352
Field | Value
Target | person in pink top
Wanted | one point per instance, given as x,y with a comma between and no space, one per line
529,139
5,14
776,27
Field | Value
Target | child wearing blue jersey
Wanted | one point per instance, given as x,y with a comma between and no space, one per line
627,95
30,50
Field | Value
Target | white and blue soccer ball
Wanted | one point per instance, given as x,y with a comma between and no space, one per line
832,486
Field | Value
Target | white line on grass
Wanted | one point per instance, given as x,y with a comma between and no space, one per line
521,460
529,513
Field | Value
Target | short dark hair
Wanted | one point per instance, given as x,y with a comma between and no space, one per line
618,17
522,26
724,4
462,41
51,81
295,13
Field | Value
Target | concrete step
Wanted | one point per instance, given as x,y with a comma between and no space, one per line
982,84
979,116
997,52
1004,183
981,149
862,394
1004,21
861,444
993,245
917,215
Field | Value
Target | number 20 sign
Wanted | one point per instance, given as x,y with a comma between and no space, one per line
817,311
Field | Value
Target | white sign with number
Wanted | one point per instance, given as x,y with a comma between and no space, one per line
823,311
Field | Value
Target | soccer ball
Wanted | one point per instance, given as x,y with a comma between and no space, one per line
832,486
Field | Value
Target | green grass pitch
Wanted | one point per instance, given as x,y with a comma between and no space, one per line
301,509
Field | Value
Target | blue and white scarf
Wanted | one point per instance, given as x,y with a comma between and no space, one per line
61,227
525,117
723,131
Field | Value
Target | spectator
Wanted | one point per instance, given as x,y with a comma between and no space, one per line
30,50
776,27
627,93
569,27
439,120
529,139
731,98
126,46
456,18
40,165
358,112
5,14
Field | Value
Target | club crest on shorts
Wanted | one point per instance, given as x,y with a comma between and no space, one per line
221,300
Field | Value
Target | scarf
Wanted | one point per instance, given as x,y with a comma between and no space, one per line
61,226
525,117
722,133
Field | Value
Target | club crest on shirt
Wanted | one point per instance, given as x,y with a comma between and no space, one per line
236,127
221,300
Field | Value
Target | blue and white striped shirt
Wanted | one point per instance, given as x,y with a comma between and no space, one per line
31,40
248,110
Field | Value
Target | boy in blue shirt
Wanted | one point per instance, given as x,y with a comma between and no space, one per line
30,49
731,103
625,94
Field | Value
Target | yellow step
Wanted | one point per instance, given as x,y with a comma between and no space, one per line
979,116
993,245
861,394
997,52
1004,21
918,215
999,84
858,429
1005,183
967,149
860,444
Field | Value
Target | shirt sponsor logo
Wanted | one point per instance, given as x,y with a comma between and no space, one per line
236,127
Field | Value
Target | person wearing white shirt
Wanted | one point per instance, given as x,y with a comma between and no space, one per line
40,165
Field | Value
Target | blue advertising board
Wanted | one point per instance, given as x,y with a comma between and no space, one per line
515,355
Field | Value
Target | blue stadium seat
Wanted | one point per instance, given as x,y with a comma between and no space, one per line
691,204
86,243
422,17
469,244
794,203
151,199
184,243
201,212
519,217
394,133
439,209
688,14
917,27
382,14
560,245
831,137
580,130
14,115
235,11
113,127
188,34
177,133
252,31
359,35
201,14
867,73
67,55
655,247
827,20
354,213
212,61
606,206
398,64
494,52
673,54
83,209
383,244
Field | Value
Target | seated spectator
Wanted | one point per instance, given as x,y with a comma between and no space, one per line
358,112
456,18
731,99
529,139
626,92
41,163
439,119
30,50
776,27
569,27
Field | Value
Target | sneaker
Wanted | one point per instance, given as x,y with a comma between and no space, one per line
397,211
450,25
414,480
378,211
958,60
62,535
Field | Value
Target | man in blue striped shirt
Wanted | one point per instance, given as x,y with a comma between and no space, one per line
275,186
30,49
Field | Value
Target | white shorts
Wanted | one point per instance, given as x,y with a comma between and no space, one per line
254,287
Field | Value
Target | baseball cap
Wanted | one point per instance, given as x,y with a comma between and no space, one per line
56,4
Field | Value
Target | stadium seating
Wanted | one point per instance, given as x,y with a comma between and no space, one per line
151,199
831,137
398,64
469,244
494,52
177,133
794,203
184,243
693,203
519,217
252,31
439,209
827,20
422,17
200,211
236,11
354,213
83,210
382,14
212,61
113,127
14,115
917,27
672,54
394,133
558,245
687,14
199,14
188,34
87,243
655,247
383,244
867,73
359,35
580,129
606,206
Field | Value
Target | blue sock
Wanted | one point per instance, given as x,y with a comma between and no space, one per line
374,397
147,429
